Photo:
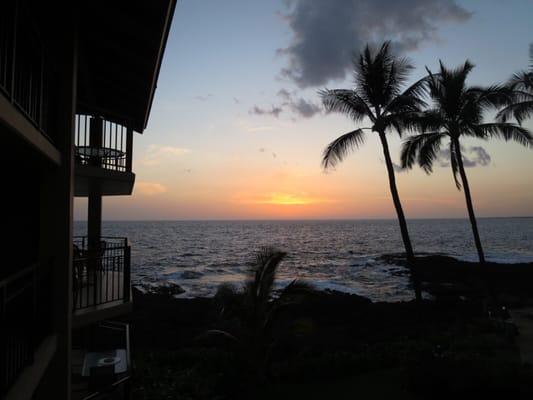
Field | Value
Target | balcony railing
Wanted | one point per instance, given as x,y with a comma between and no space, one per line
24,321
103,143
22,63
101,272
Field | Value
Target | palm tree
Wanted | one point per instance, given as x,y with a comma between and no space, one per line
457,112
377,96
521,84
248,316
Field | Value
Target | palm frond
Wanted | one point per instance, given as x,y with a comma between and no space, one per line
504,130
347,102
429,120
447,88
397,72
267,262
522,80
423,148
491,97
339,148
379,75
419,89
520,111
404,103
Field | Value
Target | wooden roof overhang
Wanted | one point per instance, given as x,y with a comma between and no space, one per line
121,45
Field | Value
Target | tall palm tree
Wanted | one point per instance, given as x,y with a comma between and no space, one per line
521,84
457,112
377,96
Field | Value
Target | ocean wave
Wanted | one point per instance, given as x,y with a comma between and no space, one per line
352,256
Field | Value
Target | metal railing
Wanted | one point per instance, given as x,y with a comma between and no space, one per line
103,143
22,63
101,272
17,324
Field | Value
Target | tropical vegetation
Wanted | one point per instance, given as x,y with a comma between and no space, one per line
457,112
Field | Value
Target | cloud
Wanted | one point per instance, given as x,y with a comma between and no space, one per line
285,94
149,188
290,101
304,108
325,33
481,157
474,156
275,111
155,154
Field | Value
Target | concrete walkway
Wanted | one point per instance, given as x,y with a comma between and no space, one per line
523,319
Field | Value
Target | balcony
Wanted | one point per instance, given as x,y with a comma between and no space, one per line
103,155
101,362
26,76
101,279
26,342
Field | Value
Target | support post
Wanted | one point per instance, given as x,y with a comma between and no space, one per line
129,149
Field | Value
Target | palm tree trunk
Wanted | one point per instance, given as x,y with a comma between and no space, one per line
469,205
401,217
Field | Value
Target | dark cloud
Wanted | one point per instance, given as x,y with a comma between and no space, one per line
275,111
304,108
261,150
474,156
325,33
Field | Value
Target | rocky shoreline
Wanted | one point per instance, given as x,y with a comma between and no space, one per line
334,335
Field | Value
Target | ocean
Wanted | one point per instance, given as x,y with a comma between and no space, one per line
342,255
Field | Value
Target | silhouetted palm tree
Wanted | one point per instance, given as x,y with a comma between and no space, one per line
250,314
456,112
378,96
522,86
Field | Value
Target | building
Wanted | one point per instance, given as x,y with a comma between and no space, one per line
77,79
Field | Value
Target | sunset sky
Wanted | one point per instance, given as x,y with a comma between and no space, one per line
237,131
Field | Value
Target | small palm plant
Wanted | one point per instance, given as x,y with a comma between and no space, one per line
457,112
378,97
250,314
521,84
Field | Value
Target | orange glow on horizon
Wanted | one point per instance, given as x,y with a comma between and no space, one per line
285,199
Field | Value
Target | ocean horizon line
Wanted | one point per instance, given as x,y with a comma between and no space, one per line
305,219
